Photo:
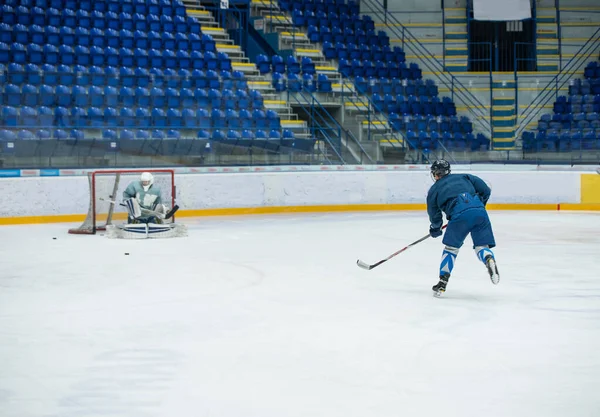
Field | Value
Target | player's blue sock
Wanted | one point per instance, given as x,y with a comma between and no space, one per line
447,264
483,253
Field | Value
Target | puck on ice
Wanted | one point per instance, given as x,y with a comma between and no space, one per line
54,238
126,253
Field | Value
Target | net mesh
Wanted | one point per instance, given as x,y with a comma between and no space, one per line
106,195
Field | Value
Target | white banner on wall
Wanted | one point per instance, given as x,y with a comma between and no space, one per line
502,9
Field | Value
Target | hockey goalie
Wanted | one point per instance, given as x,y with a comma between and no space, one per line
147,216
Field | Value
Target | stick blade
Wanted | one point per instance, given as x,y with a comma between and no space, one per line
363,265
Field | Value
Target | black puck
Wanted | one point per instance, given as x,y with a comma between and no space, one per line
54,238
126,253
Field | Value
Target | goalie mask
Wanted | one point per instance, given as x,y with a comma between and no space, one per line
147,180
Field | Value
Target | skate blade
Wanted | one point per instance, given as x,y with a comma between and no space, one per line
493,271
438,294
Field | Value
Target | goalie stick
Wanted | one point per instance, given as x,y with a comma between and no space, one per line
368,267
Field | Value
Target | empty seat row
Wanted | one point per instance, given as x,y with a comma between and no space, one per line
49,35
357,68
82,76
140,117
568,141
126,96
290,65
396,86
74,12
363,52
431,124
127,134
350,8
295,83
126,57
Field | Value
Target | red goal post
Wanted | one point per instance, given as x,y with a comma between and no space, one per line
106,188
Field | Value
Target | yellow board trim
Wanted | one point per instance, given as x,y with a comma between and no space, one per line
71,218
590,188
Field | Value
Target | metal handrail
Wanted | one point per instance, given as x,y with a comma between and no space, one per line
467,97
562,77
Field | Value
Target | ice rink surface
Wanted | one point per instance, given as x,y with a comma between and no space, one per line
269,316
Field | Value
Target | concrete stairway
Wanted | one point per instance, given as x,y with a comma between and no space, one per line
239,61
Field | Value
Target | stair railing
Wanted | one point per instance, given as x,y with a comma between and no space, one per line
552,89
474,105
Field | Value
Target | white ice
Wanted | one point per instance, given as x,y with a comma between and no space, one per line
269,316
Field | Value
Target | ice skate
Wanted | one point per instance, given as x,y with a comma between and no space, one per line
492,268
440,287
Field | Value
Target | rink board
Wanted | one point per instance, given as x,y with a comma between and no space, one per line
62,196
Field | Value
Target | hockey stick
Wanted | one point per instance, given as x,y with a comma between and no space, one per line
368,267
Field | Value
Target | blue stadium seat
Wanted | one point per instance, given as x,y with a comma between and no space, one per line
140,40
324,85
197,60
10,116
26,135
125,134
218,118
273,119
260,119
247,138
142,134
127,97
127,118
293,66
142,117
142,97
173,97
256,98
28,117
215,98
204,119
233,119
187,97
277,63
217,135
18,54
174,118
263,64
189,118
201,97
29,95
308,83
245,119
159,117
110,117
157,97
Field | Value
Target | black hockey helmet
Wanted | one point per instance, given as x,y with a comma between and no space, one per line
440,167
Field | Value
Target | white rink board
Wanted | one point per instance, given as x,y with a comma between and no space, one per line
43,196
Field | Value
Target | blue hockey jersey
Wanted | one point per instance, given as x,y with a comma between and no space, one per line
453,194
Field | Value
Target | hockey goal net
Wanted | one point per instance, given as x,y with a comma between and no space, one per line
106,195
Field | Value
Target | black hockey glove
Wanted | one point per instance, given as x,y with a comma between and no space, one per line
435,232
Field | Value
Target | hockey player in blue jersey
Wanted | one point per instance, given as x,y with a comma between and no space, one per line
462,197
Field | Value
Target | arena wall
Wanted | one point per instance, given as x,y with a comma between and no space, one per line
40,196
